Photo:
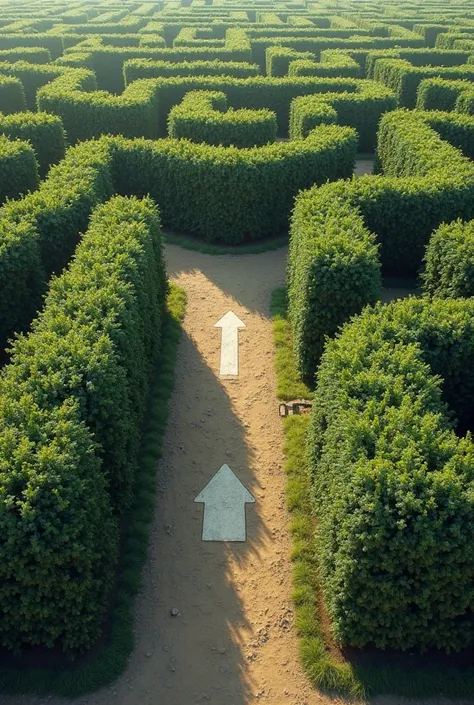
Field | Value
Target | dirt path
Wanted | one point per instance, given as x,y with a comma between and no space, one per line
234,641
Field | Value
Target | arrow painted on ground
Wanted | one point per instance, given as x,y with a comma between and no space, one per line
224,498
230,325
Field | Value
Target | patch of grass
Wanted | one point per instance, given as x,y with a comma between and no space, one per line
326,666
289,385
188,242
111,660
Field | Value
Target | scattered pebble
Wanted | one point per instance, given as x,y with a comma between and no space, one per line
174,612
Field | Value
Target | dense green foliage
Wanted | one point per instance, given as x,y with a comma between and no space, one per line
426,181
72,436
404,78
12,96
18,168
147,68
44,132
392,483
449,261
361,110
203,117
333,63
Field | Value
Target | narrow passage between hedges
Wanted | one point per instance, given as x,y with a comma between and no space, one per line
235,640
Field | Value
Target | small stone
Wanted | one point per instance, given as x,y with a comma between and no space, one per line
148,654
166,648
222,651
174,612
172,669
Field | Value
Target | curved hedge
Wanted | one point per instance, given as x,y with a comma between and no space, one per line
333,63
12,96
44,132
202,117
142,109
404,78
361,110
449,261
18,168
392,483
441,94
426,181
221,194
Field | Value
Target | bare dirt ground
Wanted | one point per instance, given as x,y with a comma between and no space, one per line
234,641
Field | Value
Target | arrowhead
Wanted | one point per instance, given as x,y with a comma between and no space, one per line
225,487
230,320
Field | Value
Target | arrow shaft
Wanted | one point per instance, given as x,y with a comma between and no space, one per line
229,352
224,524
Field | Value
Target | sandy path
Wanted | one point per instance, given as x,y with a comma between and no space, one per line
234,642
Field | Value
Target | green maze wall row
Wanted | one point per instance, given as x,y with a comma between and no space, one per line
233,122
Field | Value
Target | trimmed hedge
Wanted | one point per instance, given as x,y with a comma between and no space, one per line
361,110
100,332
317,44
277,61
44,132
255,93
35,55
189,182
404,79
449,261
202,117
392,483
53,43
146,68
333,64
18,168
440,94
143,108
417,57
88,113
34,76
426,182
12,96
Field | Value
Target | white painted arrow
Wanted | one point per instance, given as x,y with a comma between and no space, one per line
224,498
230,325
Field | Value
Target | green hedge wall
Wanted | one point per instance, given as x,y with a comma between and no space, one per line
44,132
12,96
146,68
18,168
203,117
417,57
210,191
255,93
34,76
361,110
53,43
316,44
392,483
277,60
35,55
107,61
88,113
100,331
404,79
449,261
426,182
333,64
142,110
440,94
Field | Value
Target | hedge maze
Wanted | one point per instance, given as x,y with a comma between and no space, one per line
235,122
